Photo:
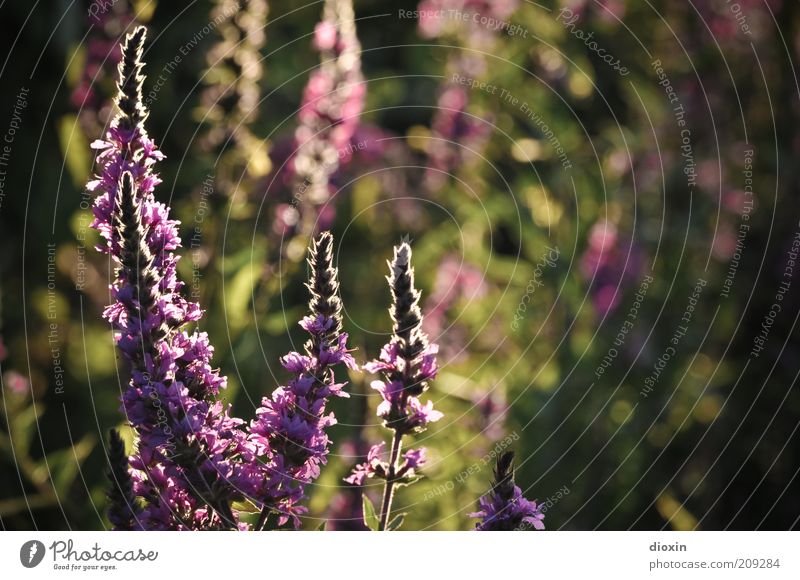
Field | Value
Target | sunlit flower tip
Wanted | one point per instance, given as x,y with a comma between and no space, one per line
130,81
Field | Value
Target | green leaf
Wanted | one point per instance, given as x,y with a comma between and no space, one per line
396,522
321,527
239,287
75,149
370,517
63,465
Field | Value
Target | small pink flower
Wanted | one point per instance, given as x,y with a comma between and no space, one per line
16,382
325,35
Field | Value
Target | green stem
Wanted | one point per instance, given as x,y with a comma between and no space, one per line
388,490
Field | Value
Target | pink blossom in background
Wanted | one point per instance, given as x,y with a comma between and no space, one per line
480,20
109,20
610,264
455,281
16,382
332,103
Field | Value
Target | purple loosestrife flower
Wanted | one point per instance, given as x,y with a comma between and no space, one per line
504,508
459,137
188,446
332,103
407,364
372,467
292,422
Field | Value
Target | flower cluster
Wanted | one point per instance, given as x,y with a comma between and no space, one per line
458,135
504,508
304,163
332,103
407,364
193,460
408,361
292,422
187,442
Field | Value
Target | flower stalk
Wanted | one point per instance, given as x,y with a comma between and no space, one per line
188,447
407,365
293,422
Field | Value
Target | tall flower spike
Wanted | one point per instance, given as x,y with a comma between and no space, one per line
189,451
332,102
324,285
405,311
129,99
504,508
123,509
407,363
292,423
229,102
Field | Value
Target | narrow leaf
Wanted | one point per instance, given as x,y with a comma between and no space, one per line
370,517
396,522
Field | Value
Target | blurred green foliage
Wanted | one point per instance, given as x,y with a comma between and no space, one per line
706,448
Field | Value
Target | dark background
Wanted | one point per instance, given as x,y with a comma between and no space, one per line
714,446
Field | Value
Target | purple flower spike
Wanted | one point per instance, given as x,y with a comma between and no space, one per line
332,103
504,508
188,446
407,365
292,423
408,362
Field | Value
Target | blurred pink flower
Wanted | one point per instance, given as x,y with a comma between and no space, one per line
610,264
16,382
